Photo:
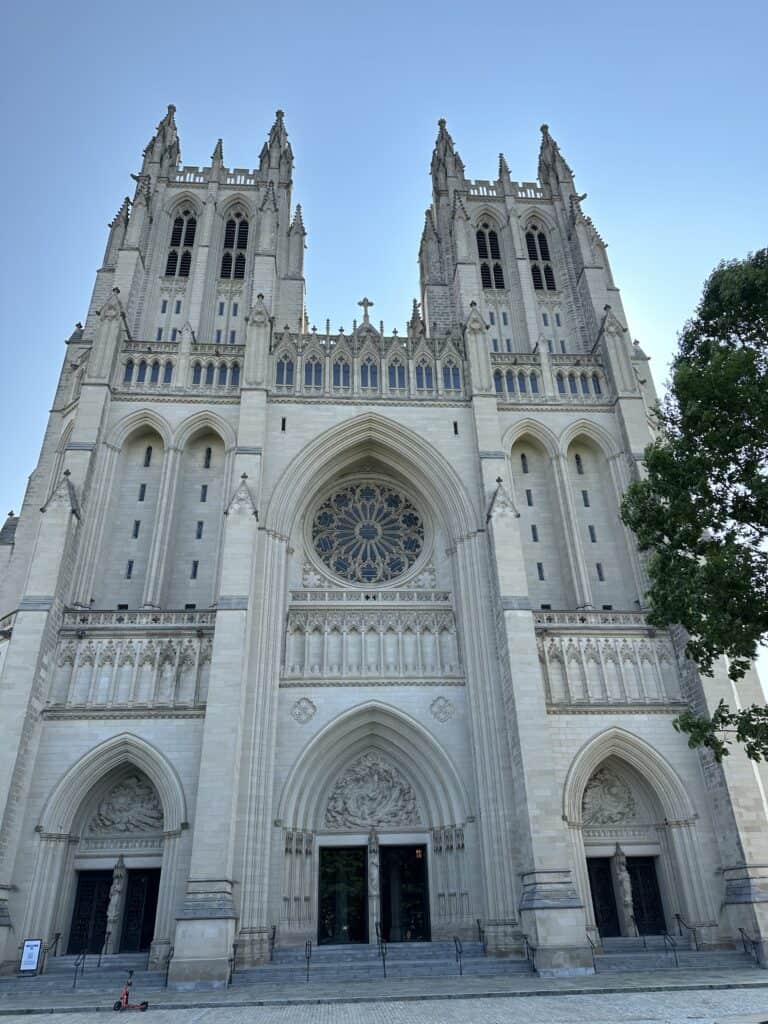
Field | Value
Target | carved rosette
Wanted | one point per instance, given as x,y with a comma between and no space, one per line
371,793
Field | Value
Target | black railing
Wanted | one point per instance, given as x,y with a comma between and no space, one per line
682,924
272,942
670,942
104,947
79,966
529,952
308,955
50,947
231,964
751,946
593,948
168,958
637,931
459,952
481,936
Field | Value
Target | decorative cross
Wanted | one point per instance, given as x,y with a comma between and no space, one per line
365,303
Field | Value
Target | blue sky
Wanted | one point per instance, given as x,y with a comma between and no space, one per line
660,108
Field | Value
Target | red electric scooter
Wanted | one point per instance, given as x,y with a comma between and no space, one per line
123,1004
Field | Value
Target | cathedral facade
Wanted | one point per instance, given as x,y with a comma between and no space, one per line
338,634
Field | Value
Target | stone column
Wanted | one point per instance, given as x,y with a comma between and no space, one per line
166,899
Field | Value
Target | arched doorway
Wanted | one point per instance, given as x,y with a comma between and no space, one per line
105,867
377,839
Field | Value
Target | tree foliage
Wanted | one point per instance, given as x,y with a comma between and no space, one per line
702,510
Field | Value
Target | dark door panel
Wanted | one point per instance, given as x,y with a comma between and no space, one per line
343,895
603,896
140,910
89,917
646,897
404,894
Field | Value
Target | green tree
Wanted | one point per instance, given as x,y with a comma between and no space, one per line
702,511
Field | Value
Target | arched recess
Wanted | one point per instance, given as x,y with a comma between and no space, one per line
64,819
663,834
441,796
375,436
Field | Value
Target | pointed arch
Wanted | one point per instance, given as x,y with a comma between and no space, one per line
204,420
185,200
69,794
599,435
538,431
376,726
373,434
648,762
146,418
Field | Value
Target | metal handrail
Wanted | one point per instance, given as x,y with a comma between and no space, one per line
459,953
754,945
594,947
529,952
683,924
308,955
669,941
231,964
272,942
104,947
79,965
168,958
481,936
637,931
47,947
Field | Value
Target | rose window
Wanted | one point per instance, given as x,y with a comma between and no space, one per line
368,533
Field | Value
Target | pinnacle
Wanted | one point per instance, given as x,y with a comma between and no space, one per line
218,152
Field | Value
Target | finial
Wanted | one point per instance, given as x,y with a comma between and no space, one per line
441,123
499,480
243,476
171,109
365,303
218,151
545,129
279,114
11,513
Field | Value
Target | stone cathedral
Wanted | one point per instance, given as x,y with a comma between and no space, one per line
330,634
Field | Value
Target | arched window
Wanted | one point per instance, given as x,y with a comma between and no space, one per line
424,377
524,462
537,247
510,377
182,234
168,373
572,384
369,374
397,376
128,375
148,455
341,374
313,373
560,384
584,384
488,246
222,375
498,382
451,377
521,383
209,372
579,465
207,458
141,376
154,375
197,372
596,384
534,379
234,377
235,245
284,372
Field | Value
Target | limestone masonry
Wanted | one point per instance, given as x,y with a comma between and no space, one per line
337,635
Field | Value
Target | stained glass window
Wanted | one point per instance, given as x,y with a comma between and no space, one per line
368,533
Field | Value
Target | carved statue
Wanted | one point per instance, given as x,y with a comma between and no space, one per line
131,806
624,879
607,800
115,895
371,793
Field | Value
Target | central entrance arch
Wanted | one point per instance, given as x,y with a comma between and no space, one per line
379,815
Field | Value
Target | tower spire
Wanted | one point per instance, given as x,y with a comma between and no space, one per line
447,166
163,151
276,159
553,168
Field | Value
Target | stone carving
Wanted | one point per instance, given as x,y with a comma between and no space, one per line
131,806
310,578
442,709
303,710
371,793
115,898
607,800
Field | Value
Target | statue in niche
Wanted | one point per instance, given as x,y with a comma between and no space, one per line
625,882
373,876
115,901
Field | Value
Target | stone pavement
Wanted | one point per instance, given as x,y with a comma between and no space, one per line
665,997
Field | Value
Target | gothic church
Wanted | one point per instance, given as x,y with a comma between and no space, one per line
338,634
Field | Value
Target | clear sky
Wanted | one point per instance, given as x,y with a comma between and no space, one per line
660,109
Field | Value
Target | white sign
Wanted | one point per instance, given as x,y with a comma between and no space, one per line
30,954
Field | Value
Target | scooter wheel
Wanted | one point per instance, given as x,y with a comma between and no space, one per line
117,1005
144,1006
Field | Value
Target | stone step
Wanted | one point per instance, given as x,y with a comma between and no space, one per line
651,960
341,973
409,951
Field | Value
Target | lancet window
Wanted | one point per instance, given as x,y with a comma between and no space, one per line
537,247
489,251
313,373
179,260
284,372
341,374
235,246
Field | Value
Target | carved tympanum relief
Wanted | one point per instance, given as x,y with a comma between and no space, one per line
371,793
130,806
608,800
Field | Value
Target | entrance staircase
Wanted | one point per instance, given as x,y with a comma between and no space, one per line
110,977
337,965
655,952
